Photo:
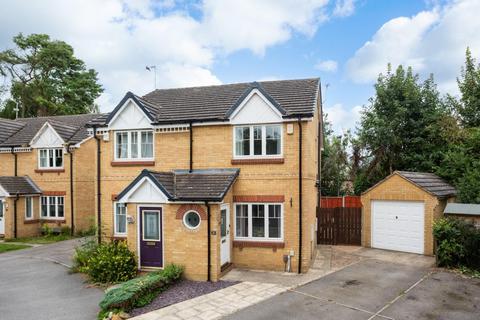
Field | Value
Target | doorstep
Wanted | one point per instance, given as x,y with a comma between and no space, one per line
217,304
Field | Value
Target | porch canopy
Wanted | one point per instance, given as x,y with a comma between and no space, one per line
179,186
21,186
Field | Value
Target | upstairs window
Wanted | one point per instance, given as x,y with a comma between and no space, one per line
50,158
134,145
258,141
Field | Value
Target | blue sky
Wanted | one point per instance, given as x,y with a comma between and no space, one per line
345,42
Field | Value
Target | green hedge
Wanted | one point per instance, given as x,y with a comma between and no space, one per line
458,244
140,291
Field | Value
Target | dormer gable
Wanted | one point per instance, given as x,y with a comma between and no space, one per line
130,113
47,137
256,106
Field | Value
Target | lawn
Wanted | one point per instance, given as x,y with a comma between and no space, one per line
4,247
42,239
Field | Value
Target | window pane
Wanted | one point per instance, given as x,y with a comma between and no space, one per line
43,158
151,225
241,220
223,223
134,144
274,221
273,139
147,144
122,145
60,207
1,209
44,206
121,219
50,158
257,140
51,201
242,141
258,220
58,158
28,207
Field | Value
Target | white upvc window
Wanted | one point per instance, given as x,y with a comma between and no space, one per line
259,221
120,218
257,141
52,207
134,145
50,158
28,208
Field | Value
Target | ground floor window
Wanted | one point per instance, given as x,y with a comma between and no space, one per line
52,207
28,208
258,221
120,217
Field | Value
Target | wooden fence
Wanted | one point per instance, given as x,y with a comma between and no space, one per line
339,226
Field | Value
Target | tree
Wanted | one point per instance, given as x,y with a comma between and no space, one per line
335,162
469,85
46,78
399,129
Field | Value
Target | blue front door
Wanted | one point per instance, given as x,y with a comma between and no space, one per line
151,244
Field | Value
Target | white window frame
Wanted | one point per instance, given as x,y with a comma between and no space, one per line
185,220
115,232
249,222
28,198
264,154
129,146
47,217
48,167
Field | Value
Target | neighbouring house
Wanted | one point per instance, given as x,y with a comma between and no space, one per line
465,211
399,211
215,176
49,163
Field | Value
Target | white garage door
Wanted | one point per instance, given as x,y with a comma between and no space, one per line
398,225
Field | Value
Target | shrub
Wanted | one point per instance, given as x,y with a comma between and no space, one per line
458,243
82,254
140,291
111,263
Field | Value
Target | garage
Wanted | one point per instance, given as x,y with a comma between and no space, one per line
399,211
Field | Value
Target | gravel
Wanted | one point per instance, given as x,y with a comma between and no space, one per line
182,291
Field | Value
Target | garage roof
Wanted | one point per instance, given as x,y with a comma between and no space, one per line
462,208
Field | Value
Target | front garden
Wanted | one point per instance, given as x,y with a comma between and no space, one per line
5,247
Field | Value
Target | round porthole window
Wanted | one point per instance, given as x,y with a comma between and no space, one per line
191,219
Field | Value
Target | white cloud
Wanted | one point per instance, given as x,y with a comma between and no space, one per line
119,38
343,119
344,8
432,42
327,65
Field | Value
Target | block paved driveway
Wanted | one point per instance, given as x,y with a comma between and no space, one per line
375,289
35,284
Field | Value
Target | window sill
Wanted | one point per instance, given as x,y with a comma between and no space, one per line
257,244
119,237
52,220
258,161
50,170
31,221
132,163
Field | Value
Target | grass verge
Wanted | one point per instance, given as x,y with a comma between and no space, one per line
42,239
5,247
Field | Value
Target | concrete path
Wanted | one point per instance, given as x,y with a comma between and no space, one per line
36,284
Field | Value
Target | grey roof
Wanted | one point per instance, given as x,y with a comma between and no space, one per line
463,209
292,98
198,185
71,128
8,128
430,183
19,185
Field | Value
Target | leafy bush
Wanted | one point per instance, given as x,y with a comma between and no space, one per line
82,254
458,243
111,263
140,291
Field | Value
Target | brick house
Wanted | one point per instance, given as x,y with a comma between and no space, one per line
210,177
47,175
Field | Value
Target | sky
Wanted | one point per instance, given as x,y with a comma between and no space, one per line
346,43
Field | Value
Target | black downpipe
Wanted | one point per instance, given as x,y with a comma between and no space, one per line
300,206
191,147
15,216
99,194
15,163
208,242
72,211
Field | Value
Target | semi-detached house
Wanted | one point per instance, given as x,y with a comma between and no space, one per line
210,177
